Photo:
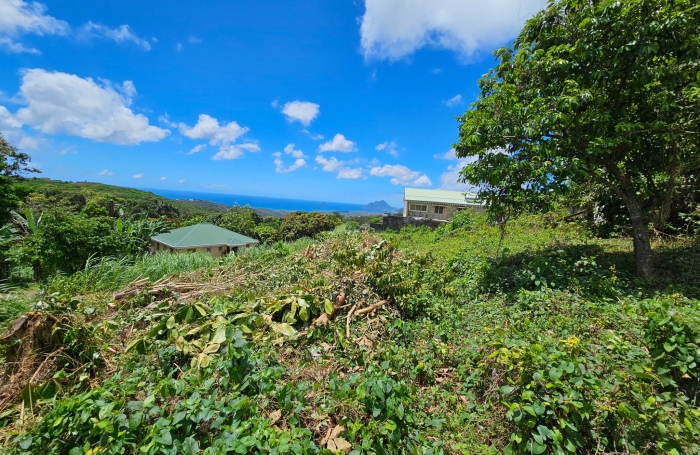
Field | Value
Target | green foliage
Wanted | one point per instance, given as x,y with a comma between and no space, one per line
65,242
306,224
239,219
590,93
545,345
12,165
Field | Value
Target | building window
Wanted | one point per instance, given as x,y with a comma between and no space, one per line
157,246
418,207
208,250
439,209
221,249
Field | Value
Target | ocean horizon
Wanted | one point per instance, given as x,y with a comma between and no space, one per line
260,202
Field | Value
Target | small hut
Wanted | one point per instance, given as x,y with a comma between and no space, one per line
207,238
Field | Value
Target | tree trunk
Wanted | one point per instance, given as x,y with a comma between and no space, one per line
642,242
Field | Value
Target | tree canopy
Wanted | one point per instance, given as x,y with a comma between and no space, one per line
12,165
596,92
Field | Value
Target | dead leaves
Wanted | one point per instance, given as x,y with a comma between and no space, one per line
334,443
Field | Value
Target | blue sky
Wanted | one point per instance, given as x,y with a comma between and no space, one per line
339,101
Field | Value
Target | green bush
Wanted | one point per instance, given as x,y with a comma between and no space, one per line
64,242
305,224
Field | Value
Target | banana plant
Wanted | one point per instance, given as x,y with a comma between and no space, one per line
28,224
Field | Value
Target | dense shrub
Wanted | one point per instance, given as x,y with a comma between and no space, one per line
64,242
305,224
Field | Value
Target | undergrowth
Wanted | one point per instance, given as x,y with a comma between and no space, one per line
542,342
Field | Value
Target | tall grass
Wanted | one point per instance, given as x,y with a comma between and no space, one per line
109,273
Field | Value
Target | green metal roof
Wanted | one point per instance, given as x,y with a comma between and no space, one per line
202,235
439,196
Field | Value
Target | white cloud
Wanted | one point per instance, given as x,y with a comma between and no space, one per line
19,16
314,137
279,164
455,100
289,150
350,173
436,71
178,47
233,151
448,155
11,128
401,175
16,48
334,165
302,111
208,127
449,180
108,172
163,178
223,136
120,34
390,148
194,40
181,181
138,176
338,144
392,29
274,104
65,103
197,149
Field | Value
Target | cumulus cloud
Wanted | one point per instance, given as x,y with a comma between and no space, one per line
289,150
332,164
279,164
181,181
338,144
65,103
233,151
401,175
163,178
392,29
11,129
138,176
121,34
390,148
350,173
455,100
301,111
223,136
107,172
19,17
196,149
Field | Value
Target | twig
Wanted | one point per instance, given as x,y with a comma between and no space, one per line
370,308
347,321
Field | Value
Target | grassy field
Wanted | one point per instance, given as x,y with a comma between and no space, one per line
447,342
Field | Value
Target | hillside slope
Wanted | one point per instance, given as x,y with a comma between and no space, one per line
412,342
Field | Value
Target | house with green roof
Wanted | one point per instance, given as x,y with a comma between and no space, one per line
207,238
437,204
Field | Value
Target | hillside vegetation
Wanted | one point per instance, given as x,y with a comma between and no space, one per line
411,342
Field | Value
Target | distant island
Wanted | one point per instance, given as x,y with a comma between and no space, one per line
380,207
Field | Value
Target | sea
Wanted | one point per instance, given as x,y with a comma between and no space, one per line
272,203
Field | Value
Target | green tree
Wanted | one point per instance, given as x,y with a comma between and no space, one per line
12,165
305,224
66,241
239,219
591,91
